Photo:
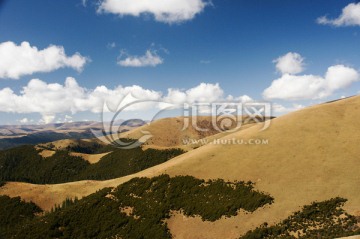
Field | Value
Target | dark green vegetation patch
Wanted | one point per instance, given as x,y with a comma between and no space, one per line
85,147
13,213
325,220
24,164
138,208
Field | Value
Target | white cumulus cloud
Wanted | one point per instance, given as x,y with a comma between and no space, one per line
24,121
290,63
280,109
350,16
52,99
167,11
151,58
24,59
303,87
204,92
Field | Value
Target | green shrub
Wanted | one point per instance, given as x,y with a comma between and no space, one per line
100,215
325,215
24,164
13,212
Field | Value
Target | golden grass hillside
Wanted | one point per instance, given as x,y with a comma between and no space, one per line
91,158
353,237
167,132
65,143
170,132
311,155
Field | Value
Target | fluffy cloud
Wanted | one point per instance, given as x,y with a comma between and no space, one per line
111,45
350,16
24,59
52,99
294,87
84,3
65,119
168,11
280,109
151,58
24,121
201,93
291,63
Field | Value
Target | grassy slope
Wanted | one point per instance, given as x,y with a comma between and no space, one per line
169,133
313,155
102,215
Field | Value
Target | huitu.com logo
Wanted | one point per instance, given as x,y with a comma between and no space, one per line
223,117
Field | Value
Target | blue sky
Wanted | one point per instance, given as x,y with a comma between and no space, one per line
230,42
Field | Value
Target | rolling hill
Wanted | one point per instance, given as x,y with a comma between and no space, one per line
310,155
170,132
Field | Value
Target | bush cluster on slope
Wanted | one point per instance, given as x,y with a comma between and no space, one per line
89,147
319,220
13,212
24,164
124,162
101,215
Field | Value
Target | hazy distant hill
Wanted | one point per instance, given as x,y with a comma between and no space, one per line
16,135
42,137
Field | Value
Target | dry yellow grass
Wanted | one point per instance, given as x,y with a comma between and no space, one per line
353,237
46,153
60,144
169,133
166,133
46,196
312,155
91,158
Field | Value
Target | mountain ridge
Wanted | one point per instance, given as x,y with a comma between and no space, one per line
312,155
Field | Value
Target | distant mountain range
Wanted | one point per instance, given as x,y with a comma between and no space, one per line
16,135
